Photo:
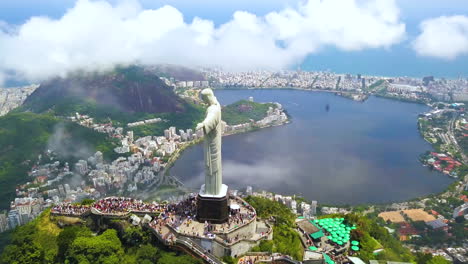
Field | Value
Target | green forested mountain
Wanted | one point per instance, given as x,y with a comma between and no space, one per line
123,94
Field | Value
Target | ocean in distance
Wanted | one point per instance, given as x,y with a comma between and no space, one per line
357,152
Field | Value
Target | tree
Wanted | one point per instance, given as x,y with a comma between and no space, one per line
171,258
229,260
134,236
23,242
27,253
104,249
87,202
66,238
460,219
419,225
148,253
423,258
438,260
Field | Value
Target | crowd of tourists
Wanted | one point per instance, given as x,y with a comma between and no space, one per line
254,259
120,205
174,215
70,209
262,258
238,218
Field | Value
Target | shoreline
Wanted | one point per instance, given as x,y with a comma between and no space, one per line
336,92
174,157
343,93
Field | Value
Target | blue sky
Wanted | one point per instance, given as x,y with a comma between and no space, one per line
397,59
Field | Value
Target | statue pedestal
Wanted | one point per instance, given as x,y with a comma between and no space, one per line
213,208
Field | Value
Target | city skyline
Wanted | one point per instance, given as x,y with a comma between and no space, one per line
388,38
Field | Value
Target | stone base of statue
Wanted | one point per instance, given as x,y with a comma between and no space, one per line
213,208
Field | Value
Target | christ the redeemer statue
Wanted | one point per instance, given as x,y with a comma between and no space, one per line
212,129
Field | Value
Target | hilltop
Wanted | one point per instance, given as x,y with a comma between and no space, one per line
243,111
178,72
123,94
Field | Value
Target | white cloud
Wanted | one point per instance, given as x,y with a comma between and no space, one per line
95,34
443,37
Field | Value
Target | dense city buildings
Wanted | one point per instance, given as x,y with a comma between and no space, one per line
408,88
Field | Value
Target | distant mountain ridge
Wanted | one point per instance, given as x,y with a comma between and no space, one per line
179,73
131,89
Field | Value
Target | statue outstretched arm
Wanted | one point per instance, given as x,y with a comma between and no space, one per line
210,122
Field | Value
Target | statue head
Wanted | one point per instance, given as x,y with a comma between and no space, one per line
208,96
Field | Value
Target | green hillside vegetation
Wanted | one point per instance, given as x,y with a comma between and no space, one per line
186,120
23,136
375,85
285,239
5,239
43,241
374,236
242,111
123,95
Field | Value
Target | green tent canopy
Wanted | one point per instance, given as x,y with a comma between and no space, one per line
355,248
313,248
354,243
327,259
317,234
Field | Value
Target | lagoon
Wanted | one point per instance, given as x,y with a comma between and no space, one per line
356,152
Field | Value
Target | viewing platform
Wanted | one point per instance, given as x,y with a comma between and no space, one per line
175,223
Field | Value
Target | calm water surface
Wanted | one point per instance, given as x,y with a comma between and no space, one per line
354,153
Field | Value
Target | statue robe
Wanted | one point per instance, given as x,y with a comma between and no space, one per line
213,133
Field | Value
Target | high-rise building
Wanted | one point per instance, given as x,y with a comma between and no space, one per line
189,134
183,135
61,190
294,206
130,136
305,210
460,210
249,190
313,208
25,218
14,218
167,133
23,205
99,158
3,222
67,188
173,131
81,167
169,147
